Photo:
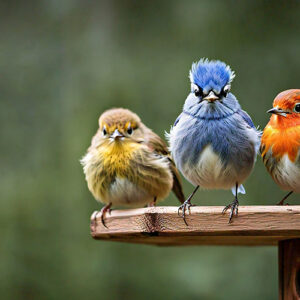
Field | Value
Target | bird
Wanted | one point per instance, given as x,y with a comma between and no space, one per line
127,164
213,142
280,143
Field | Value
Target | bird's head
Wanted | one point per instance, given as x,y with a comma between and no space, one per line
286,106
210,89
118,124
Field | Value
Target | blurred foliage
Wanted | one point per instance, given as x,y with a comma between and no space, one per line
62,64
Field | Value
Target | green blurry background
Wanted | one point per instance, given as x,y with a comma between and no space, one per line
62,63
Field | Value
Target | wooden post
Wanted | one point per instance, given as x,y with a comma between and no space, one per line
289,269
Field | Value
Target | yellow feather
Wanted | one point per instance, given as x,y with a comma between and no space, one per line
116,156
130,169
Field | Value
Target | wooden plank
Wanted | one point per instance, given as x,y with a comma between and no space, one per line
255,226
289,269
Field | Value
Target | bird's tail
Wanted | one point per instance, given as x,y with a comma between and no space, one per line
240,190
177,185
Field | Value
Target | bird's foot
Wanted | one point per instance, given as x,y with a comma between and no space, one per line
94,216
105,209
186,205
234,206
282,201
153,203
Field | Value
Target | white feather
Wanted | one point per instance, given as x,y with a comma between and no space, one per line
125,193
210,172
240,190
287,174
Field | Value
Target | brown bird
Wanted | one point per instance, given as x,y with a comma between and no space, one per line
127,164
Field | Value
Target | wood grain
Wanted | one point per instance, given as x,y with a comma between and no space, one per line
289,269
255,226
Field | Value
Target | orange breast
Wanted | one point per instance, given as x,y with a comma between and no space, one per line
282,140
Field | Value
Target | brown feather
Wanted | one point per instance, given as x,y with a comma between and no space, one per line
120,118
158,145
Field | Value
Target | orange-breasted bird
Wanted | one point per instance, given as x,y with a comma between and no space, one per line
280,145
127,164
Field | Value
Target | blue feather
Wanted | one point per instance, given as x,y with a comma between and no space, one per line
177,120
209,130
246,117
211,75
226,138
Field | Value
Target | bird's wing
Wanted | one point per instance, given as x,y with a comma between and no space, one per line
95,140
156,144
177,120
298,154
246,118
177,185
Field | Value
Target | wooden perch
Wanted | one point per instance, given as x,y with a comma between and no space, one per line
254,226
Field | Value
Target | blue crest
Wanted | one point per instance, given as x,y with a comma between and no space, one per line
211,75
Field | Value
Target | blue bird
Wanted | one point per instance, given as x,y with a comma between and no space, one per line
213,142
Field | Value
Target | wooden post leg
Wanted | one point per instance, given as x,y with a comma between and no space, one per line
289,269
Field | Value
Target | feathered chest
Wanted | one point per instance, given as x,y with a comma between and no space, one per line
116,157
229,138
281,142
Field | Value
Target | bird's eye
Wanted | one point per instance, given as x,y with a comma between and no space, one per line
225,90
196,90
104,131
129,130
297,108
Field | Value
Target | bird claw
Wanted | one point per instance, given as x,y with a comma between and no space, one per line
281,203
185,206
234,209
94,216
105,209
153,203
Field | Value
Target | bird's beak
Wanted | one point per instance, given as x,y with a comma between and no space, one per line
117,135
278,111
211,97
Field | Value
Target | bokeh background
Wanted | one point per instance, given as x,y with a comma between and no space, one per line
62,64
